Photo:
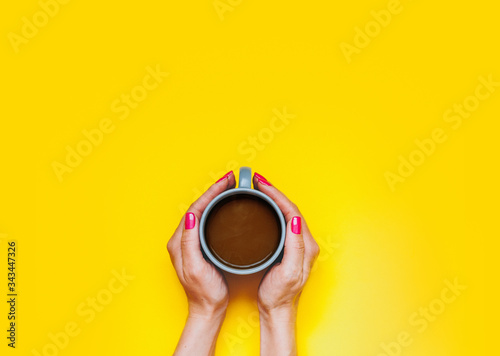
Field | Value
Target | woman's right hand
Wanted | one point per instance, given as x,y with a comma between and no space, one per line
281,287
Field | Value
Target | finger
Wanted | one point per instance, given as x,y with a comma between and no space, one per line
226,182
288,208
190,243
174,243
293,255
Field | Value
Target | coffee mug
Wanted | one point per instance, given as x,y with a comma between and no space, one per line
246,198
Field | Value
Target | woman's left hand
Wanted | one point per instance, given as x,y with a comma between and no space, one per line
205,287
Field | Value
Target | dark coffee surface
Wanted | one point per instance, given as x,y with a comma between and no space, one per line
242,231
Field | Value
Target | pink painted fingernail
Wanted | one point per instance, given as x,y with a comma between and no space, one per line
261,179
264,182
225,176
260,176
296,225
190,221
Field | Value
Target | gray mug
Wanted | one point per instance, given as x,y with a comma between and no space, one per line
244,188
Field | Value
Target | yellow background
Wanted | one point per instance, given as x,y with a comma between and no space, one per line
384,254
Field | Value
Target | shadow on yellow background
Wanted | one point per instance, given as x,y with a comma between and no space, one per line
376,118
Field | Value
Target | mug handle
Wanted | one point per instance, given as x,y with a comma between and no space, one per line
245,180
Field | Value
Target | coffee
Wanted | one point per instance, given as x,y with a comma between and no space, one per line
242,231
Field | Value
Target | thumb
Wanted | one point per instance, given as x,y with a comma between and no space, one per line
293,256
190,241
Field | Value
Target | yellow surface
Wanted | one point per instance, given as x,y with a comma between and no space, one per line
351,111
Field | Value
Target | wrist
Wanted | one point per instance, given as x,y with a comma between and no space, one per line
277,331
286,314
207,313
200,333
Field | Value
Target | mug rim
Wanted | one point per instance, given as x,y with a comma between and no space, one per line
242,191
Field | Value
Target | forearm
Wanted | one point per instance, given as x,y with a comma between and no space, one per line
277,332
200,335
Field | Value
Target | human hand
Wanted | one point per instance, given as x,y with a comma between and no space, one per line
281,287
205,287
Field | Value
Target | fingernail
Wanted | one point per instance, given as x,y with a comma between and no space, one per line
296,225
264,182
189,221
225,176
261,179
260,176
